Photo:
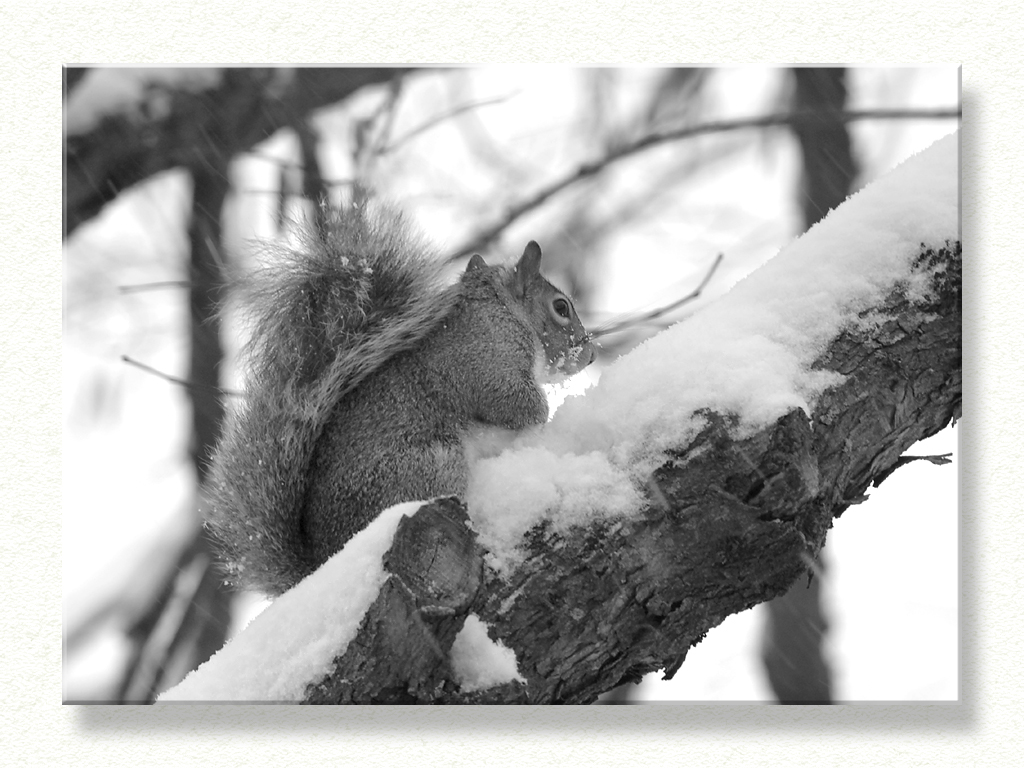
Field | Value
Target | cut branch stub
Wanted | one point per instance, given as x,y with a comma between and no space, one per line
401,652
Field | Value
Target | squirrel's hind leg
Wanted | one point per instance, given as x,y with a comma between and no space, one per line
445,469
427,471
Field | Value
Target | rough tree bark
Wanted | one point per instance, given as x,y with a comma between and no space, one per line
730,523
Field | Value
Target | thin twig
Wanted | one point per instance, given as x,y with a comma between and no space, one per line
486,236
176,380
938,460
388,110
655,313
453,112
174,619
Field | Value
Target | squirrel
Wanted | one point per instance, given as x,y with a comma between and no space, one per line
366,377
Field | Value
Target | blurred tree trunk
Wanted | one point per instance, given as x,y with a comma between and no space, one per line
193,596
208,283
206,292
792,644
828,166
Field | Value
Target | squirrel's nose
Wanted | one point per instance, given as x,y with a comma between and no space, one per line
591,354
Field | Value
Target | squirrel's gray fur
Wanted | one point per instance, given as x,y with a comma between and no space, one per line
364,374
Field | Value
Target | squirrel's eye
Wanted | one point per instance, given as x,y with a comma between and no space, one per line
561,306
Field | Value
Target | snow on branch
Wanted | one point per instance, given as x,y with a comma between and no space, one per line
699,478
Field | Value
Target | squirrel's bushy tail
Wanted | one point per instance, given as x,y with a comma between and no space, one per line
324,316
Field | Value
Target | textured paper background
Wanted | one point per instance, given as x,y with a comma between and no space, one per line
985,728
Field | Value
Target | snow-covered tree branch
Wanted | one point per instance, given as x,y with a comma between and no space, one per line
700,477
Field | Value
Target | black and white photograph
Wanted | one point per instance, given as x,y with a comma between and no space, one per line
517,384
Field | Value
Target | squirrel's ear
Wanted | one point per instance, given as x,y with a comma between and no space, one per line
476,261
528,268
529,263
